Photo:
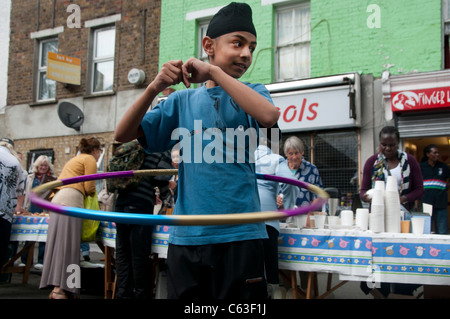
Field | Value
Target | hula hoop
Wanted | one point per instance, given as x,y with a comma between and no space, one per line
38,192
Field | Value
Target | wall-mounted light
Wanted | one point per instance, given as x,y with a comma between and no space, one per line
136,76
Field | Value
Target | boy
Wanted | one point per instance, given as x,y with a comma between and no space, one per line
225,261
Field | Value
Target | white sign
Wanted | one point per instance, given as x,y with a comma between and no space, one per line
314,109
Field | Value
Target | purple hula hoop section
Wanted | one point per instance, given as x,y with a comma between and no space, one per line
145,219
296,211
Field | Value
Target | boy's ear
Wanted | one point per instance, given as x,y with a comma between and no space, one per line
208,45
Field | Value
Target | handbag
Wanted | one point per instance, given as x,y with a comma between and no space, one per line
90,227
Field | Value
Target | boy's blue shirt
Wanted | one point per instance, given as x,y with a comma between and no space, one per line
208,183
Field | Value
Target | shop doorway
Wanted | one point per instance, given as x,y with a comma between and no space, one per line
415,146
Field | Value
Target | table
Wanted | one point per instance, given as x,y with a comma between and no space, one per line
351,254
27,228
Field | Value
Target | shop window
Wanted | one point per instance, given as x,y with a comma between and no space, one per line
293,39
103,59
336,156
46,88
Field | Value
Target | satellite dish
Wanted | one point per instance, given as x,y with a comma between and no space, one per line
70,115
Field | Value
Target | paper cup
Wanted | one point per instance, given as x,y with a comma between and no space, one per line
379,185
333,221
347,218
405,225
320,221
417,225
391,184
362,218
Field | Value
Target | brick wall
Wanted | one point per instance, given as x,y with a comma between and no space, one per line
74,41
65,147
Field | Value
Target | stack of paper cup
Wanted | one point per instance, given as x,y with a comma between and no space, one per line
347,218
362,218
392,206
376,218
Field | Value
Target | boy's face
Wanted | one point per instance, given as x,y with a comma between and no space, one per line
233,52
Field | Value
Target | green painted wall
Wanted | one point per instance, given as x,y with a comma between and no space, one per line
407,40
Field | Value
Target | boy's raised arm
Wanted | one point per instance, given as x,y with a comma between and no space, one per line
253,103
129,127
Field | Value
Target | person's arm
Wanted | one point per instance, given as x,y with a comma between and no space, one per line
90,168
416,182
253,103
129,127
366,182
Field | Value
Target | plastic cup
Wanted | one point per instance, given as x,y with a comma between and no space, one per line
405,225
417,225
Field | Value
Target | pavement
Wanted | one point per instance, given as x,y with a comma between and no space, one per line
93,289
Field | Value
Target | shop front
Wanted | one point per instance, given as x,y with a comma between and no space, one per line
325,113
420,106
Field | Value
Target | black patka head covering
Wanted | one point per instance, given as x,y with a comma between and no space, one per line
231,18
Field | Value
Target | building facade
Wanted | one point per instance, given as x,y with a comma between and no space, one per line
332,68
89,57
338,71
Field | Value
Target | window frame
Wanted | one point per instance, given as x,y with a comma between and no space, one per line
40,69
96,60
277,46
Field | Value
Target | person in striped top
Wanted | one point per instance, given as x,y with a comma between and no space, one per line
436,176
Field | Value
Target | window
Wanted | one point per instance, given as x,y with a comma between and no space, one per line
103,59
46,88
293,38
202,28
336,156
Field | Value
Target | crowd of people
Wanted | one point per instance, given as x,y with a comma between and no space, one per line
204,262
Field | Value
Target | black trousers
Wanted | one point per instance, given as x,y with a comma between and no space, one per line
219,271
271,255
133,259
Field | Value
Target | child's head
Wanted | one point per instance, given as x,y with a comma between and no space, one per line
231,18
231,39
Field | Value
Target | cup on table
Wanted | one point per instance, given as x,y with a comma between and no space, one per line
417,225
362,218
405,225
333,221
319,219
347,218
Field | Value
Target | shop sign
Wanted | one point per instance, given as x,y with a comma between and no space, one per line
420,100
63,68
314,109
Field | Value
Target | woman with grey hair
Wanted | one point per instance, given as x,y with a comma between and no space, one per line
303,170
42,172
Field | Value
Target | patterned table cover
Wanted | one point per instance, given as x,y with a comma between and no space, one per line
354,255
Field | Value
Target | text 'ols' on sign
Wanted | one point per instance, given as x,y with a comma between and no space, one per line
63,68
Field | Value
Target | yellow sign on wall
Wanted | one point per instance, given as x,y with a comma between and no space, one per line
63,68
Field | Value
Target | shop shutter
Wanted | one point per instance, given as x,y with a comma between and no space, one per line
424,124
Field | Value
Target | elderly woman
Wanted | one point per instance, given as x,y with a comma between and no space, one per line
64,232
42,172
303,170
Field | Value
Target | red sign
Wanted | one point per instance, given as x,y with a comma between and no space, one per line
425,99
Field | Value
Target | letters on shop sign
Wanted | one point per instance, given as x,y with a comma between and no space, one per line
299,113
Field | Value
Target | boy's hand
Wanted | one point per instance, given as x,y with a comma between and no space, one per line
195,71
170,74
